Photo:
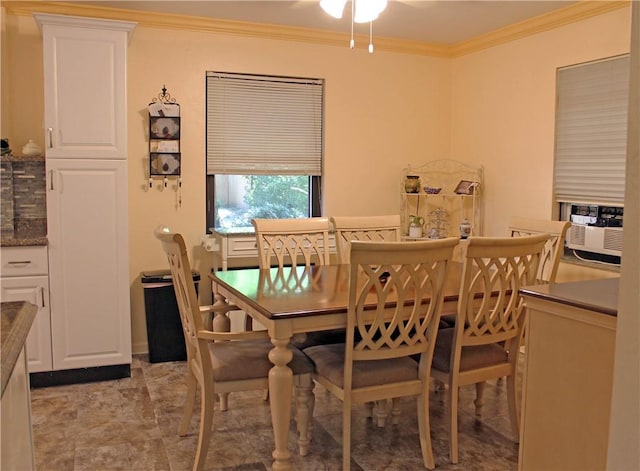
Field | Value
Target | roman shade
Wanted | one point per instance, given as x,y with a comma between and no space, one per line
591,131
260,125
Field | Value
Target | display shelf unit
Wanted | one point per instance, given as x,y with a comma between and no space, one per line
459,198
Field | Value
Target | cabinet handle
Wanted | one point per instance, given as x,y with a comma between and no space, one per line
19,262
42,297
51,180
50,137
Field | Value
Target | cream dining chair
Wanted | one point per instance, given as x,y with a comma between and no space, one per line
552,251
296,242
484,342
223,362
301,241
374,228
376,364
377,229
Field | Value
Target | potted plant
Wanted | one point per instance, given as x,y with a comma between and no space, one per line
416,224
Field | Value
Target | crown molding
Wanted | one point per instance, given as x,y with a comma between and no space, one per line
572,13
554,19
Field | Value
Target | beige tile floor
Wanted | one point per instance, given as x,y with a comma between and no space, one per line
131,424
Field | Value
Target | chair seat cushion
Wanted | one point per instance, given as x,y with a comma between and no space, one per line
448,320
329,362
248,359
471,358
323,337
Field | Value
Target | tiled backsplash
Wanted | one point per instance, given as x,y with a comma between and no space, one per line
23,191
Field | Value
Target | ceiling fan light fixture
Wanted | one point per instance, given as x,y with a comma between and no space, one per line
334,7
368,10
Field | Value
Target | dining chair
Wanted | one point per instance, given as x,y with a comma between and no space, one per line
484,343
395,298
223,362
296,242
552,251
375,228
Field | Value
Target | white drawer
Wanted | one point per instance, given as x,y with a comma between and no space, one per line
24,261
242,247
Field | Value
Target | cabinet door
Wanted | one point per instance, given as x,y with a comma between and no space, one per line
88,262
85,87
34,289
16,439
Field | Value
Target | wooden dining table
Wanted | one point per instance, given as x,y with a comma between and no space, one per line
293,301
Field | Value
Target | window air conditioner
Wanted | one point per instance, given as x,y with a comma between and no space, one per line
603,240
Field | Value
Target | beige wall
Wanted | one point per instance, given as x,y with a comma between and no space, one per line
503,111
383,112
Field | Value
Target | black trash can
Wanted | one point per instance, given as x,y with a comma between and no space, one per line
164,328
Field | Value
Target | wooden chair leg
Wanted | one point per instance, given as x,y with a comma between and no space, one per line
224,401
206,422
189,404
453,424
512,399
304,407
479,402
424,426
381,413
370,406
395,411
346,434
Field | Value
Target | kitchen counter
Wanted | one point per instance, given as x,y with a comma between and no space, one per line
17,318
599,296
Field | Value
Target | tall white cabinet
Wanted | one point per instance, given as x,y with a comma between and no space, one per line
85,134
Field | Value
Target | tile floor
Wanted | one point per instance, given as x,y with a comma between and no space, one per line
131,424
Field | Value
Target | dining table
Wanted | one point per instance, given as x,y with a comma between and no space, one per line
292,301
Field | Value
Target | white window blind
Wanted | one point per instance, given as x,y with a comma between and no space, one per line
260,125
591,131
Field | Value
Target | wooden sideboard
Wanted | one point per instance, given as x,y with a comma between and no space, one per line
568,375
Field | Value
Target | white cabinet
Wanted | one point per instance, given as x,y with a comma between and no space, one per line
24,278
16,440
85,91
449,192
88,262
87,219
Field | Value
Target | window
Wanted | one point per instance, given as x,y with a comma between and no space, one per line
264,148
590,157
591,132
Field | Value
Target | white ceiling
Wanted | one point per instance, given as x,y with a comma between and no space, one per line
434,21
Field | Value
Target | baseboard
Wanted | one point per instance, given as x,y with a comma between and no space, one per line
79,375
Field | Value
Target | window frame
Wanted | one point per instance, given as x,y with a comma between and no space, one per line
307,96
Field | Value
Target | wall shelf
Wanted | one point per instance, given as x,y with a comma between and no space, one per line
458,199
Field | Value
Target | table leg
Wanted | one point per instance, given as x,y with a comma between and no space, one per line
280,389
221,323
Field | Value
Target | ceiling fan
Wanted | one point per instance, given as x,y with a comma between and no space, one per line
362,11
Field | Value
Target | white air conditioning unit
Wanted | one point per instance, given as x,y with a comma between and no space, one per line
603,240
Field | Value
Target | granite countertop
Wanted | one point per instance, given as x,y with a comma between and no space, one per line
594,295
16,317
23,241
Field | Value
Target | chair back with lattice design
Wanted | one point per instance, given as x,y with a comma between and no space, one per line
186,296
395,298
281,242
553,249
491,309
373,228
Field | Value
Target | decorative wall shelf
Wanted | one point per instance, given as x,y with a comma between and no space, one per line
448,194
164,139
